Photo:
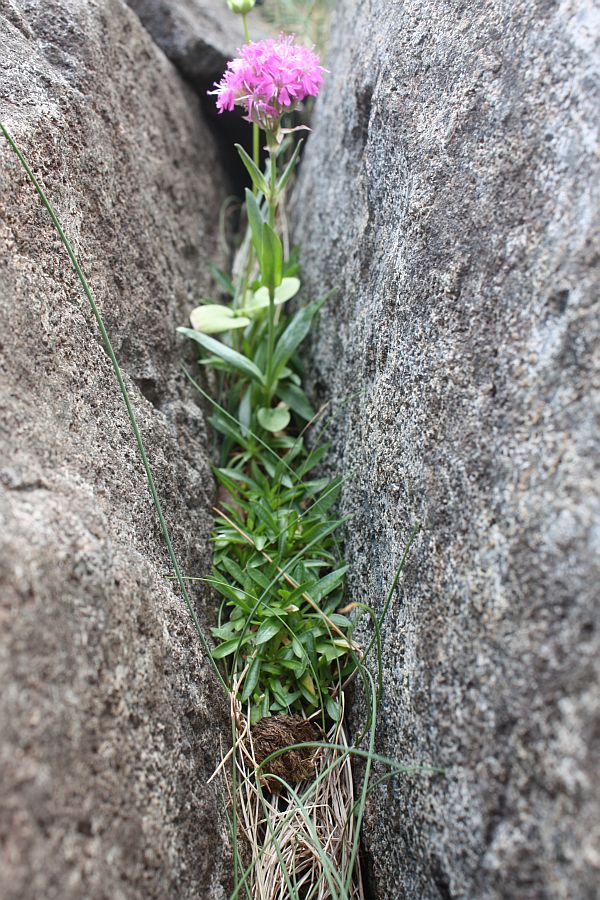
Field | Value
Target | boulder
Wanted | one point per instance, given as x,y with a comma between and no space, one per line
109,714
198,36
450,194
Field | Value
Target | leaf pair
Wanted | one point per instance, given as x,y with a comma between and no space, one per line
258,179
214,318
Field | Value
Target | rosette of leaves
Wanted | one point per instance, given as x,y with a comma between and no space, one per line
279,574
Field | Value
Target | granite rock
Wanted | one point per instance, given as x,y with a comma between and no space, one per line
109,714
198,36
450,192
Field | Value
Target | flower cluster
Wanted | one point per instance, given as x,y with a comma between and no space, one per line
269,78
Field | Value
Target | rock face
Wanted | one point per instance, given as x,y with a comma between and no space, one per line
198,36
109,715
450,192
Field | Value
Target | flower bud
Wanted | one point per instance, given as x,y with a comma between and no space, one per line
240,6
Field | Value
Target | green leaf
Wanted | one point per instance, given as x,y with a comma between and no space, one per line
230,356
268,630
278,692
329,496
274,419
313,459
288,288
340,620
296,399
214,318
294,334
264,709
296,666
226,590
255,220
227,648
251,679
291,265
258,578
328,583
290,167
223,280
307,687
235,475
224,632
258,179
330,651
271,258
245,411
235,572
228,428
332,707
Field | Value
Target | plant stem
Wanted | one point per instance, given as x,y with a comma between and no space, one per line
256,146
273,184
246,32
272,201
270,346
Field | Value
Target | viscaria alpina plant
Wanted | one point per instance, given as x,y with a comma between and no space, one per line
284,636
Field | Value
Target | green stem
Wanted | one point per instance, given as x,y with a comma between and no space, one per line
131,414
256,147
246,32
270,346
272,201
273,186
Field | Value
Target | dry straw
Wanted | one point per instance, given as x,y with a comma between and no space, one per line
294,839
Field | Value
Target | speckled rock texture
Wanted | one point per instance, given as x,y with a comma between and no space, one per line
109,716
198,36
450,191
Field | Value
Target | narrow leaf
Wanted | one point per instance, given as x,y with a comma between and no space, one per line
255,220
290,167
230,356
258,179
294,334
251,679
328,583
333,709
226,649
268,630
271,258
296,399
245,411
223,280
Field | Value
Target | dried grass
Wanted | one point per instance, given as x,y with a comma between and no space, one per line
295,841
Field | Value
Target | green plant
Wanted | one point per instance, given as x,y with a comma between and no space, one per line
276,564
284,632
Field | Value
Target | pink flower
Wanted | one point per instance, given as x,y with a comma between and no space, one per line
268,79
